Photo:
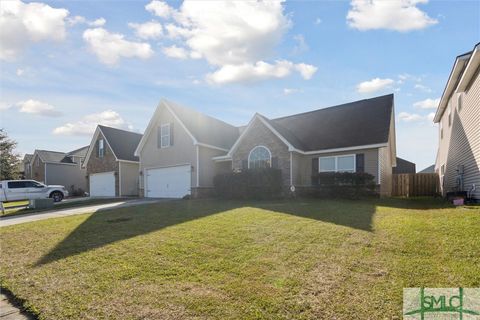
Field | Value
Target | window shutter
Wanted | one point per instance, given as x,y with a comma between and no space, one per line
275,162
159,137
244,164
360,162
96,148
171,134
314,171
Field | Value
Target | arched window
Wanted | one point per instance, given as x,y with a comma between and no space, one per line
259,157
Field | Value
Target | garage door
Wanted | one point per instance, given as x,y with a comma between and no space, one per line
102,184
171,182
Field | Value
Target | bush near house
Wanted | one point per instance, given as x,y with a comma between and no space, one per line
352,185
249,184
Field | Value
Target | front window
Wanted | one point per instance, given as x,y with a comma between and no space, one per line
259,157
101,148
165,135
337,164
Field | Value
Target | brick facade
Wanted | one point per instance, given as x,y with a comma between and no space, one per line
260,135
107,163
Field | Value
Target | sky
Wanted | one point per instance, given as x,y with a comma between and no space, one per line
67,65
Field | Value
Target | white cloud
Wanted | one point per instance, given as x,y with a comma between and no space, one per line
427,104
159,8
301,45
98,23
398,15
37,107
423,88
260,70
147,30
21,24
374,85
4,106
237,37
110,47
410,117
289,91
317,21
82,20
20,72
175,52
87,125
430,116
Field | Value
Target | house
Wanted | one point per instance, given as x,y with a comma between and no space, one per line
458,116
182,150
60,168
404,166
26,167
111,167
429,169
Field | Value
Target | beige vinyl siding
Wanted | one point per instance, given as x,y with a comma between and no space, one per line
385,163
461,142
181,153
68,175
208,168
129,178
303,164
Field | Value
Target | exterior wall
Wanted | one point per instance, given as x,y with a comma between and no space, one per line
385,163
128,173
72,176
303,164
260,135
208,167
460,145
27,172
38,172
106,164
182,152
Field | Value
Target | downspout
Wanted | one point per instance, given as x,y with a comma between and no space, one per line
291,168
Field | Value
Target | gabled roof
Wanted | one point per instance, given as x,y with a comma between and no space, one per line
464,67
27,157
51,156
80,152
430,169
202,129
123,143
404,166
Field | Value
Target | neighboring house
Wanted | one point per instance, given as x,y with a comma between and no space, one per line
404,166
26,167
430,169
112,169
60,168
458,116
182,150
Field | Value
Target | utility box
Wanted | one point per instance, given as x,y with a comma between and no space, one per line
41,203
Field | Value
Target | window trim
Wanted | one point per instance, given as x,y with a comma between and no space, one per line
354,155
101,148
256,147
165,135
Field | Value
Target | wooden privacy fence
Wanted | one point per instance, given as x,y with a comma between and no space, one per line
415,184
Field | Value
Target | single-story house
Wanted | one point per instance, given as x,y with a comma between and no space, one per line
182,150
111,167
404,166
60,168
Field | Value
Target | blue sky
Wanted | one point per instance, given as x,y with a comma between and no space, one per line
80,63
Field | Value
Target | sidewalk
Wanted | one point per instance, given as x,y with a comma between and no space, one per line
8,221
8,311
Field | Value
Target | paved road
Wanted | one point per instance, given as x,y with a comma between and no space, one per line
8,221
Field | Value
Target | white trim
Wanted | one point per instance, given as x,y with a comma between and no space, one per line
119,179
210,146
259,146
164,125
368,146
379,169
145,176
63,163
222,158
197,169
101,147
92,146
291,168
169,166
128,161
468,72
336,162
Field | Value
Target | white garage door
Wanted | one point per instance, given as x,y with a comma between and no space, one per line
102,184
171,182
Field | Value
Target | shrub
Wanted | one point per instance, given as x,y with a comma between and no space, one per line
249,184
344,184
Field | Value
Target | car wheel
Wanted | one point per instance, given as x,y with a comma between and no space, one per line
57,196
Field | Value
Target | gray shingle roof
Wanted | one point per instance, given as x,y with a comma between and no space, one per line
358,123
80,152
122,142
430,169
404,166
206,129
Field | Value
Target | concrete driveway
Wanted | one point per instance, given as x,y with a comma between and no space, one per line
8,221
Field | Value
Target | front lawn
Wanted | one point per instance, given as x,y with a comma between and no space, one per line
207,259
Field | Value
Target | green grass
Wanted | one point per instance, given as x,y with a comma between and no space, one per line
57,206
207,259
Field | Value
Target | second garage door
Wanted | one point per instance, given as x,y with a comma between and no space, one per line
171,182
102,184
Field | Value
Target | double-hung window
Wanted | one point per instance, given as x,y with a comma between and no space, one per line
344,163
165,135
101,148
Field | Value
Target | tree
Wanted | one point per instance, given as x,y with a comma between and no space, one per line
9,160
